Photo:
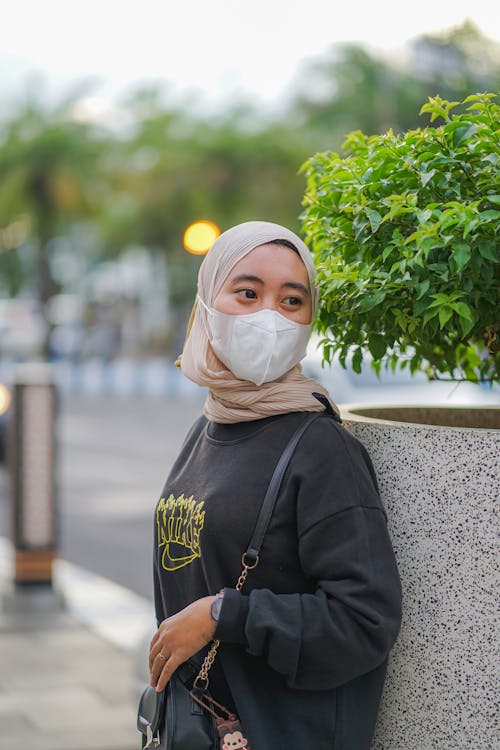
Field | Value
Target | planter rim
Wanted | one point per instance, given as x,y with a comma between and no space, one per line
348,413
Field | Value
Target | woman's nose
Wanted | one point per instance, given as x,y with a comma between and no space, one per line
270,303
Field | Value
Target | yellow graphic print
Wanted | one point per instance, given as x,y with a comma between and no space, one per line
180,521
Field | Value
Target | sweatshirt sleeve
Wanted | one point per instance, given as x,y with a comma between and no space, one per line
346,626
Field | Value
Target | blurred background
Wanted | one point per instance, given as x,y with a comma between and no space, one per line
120,127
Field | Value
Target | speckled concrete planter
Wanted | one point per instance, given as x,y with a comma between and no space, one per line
439,485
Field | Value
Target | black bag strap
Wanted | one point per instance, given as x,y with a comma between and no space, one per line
250,557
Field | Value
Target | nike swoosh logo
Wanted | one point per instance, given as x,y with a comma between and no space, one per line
171,563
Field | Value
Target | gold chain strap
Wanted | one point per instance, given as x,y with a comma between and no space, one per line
209,659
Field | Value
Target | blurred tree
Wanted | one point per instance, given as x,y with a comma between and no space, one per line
173,170
354,90
458,62
48,180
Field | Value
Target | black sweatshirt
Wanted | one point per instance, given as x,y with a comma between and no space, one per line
305,644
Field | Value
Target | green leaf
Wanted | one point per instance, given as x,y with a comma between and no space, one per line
445,314
492,158
426,176
429,315
387,251
422,287
465,131
414,364
473,357
478,98
465,325
357,358
376,345
461,255
370,301
488,250
490,215
463,310
423,216
470,225
438,108
374,217
440,300
494,199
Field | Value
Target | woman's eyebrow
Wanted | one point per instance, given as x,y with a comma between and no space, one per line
296,285
288,284
246,277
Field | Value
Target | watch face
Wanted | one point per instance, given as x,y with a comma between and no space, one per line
215,608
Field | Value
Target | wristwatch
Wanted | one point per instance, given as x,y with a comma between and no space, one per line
216,605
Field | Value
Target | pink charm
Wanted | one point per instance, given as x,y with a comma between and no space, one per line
235,741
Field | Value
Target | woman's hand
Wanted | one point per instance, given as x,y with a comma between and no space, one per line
178,638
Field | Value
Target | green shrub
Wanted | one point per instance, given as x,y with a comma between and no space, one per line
405,233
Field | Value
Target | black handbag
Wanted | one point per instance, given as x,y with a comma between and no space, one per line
174,714
185,716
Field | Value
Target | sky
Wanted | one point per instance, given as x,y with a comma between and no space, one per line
218,51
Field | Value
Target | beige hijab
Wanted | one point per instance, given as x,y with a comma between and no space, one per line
231,399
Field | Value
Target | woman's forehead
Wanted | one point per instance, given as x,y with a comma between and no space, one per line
271,258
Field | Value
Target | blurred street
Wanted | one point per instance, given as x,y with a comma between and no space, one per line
62,686
71,675
114,456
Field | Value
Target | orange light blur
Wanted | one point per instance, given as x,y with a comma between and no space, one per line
200,236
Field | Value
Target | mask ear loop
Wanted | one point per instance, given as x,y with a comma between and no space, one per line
203,318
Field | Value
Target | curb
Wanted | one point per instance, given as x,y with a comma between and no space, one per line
119,616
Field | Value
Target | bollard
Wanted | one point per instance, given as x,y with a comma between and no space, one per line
32,463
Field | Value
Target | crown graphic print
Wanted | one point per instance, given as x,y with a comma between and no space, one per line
180,521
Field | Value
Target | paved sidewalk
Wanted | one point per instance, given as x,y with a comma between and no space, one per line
68,674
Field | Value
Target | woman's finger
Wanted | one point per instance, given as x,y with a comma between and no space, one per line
158,664
157,645
166,673
160,650
155,650
154,639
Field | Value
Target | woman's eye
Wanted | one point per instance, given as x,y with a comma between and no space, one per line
293,301
247,293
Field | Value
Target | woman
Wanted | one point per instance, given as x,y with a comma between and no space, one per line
304,646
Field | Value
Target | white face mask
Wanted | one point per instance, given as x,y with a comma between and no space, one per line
259,347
